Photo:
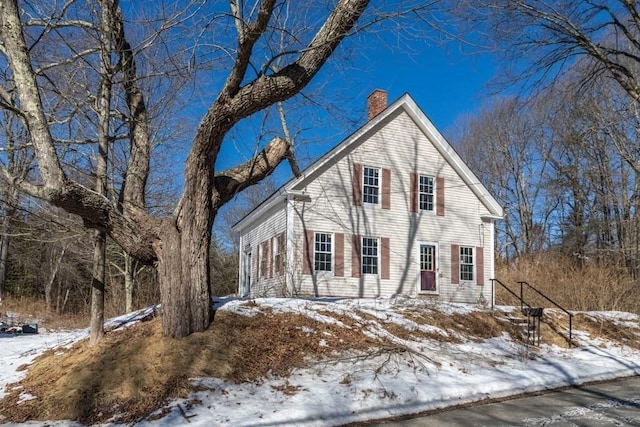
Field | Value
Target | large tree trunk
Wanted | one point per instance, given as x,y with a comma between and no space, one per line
179,245
9,200
183,273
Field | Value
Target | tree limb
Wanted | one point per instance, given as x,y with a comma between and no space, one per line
133,193
27,89
232,181
267,90
248,35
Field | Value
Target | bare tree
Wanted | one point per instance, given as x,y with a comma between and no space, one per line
544,38
177,244
509,133
18,160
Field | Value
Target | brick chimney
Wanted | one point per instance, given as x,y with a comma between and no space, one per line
376,103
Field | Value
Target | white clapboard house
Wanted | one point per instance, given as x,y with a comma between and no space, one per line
390,210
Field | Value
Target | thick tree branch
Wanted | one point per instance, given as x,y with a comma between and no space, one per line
267,90
28,95
248,35
140,154
232,181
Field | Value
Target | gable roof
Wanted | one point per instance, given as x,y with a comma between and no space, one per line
408,105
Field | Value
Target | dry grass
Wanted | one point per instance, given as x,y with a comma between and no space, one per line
588,288
607,329
22,310
134,371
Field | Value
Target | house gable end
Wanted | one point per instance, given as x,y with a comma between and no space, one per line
404,104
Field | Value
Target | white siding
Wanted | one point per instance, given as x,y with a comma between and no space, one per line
270,228
401,147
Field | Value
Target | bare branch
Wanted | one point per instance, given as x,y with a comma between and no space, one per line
231,181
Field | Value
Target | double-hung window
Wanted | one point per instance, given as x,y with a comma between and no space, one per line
277,255
466,263
322,252
426,193
371,185
369,255
263,259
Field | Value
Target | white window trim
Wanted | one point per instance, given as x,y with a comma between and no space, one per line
332,252
377,240
473,264
433,194
379,186
276,254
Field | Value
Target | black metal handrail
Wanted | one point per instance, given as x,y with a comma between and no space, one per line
528,312
522,282
509,290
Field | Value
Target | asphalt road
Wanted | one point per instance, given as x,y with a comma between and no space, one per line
615,403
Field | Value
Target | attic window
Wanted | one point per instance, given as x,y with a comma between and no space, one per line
371,185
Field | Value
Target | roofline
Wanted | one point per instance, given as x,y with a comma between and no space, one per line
452,157
419,117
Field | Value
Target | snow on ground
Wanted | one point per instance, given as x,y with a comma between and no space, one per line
430,375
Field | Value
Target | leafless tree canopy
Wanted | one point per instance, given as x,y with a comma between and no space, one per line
542,39
94,87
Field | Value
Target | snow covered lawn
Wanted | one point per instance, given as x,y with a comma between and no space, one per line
416,374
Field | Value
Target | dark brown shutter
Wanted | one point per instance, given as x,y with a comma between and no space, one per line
455,264
440,195
386,188
356,260
307,262
339,254
261,261
282,251
413,192
385,254
357,184
479,265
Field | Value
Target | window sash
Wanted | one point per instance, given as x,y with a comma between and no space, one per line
426,188
263,259
322,252
371,185
426,258
369,255
466,263
277,255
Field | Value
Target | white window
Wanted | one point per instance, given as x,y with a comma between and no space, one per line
277,255
371,185
426,193
322,252
466,263
264,262
369,255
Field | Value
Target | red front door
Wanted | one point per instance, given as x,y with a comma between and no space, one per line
428,268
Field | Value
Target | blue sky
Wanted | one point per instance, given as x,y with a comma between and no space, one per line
445,82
